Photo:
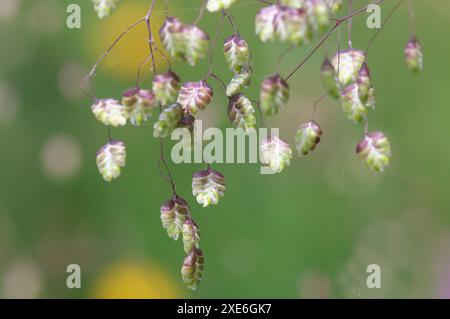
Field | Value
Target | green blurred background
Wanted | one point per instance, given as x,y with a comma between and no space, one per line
308,232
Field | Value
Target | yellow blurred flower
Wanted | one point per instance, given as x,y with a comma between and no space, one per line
133,48
135,281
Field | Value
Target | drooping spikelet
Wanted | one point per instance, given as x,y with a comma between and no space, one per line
169,120
218,5
241,112
208,186
196,43
365,86
172,37
334,5
307,137
192,269
275,154
318,15
174,213
291,25
328,76
239,82
237,53
110,112
274,94
194,96
414,55
110,159
104,8
347,65
166,87
191,235
375,151
139,105
352,105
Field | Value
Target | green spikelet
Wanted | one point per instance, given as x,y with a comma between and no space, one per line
192,270
208,186
174,213
169,120
307,137
191,235
139,105
239,82
194,96
353,107
274,94
218,5
196,43
375,151
328,76
166,87
275,154
236,53
241,112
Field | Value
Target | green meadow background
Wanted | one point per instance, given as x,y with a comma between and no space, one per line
309,232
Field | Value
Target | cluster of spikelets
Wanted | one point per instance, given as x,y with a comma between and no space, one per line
346,77
295,21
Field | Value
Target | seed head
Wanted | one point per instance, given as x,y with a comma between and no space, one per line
274,94
139,105
166,87
307,137
375,151
110,112
110,159
194,96
414,55
208,186
241,112
275,154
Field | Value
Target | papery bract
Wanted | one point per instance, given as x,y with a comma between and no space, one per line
110,159
375,151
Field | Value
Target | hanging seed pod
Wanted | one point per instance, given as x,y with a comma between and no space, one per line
236,53
414,55
195,96
241,112
139,105
110,112
297,4
192,269
318,15
328,76
110,159
351,104
172,37
274,94
196,43
239,82
334,5
166,87
218,5
307,137
291,25
208,186
174,213
347,69
275,154
104,8
191,235
264,23
169,120
365,87
375,151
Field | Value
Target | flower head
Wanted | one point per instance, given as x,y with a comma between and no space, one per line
139,105
239,82
110,112
307,137
174,213
241,112
375,151
110,159
237,53
208,186
104,8
274,94
414,55
192,269
275,154
169,119
328,76
194,96
347,65
166,87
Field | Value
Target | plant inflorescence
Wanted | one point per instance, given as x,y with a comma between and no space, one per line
345,76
